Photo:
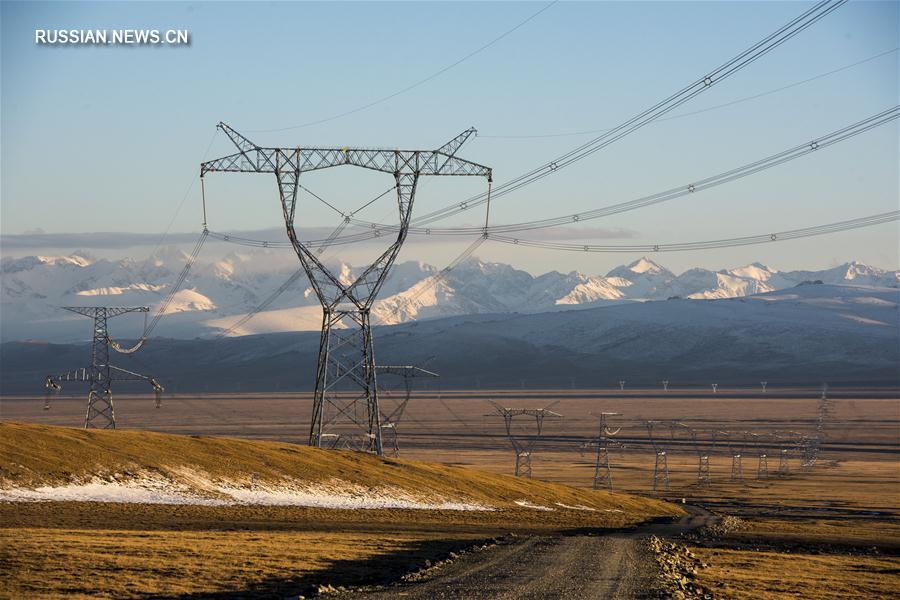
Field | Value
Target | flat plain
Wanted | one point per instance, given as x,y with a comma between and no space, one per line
832,531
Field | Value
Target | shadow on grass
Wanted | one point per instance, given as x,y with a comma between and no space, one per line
374,571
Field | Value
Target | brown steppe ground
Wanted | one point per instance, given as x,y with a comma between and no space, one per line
833,532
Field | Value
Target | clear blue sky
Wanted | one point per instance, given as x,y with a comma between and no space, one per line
109,138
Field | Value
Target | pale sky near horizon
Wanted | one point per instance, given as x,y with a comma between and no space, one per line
108,139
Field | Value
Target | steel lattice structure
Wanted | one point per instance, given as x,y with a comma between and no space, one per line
737,443
346,352
100,373
704,447
390,421
661,461
602,472
523,444
812,444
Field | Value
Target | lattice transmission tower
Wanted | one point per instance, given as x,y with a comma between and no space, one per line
661,454
523,441
100,374
346,354
736,444
812,444
390,421
602,471
704,447
761,447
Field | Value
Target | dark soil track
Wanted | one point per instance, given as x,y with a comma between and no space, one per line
615,565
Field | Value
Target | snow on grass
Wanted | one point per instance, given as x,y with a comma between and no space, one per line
147,489
527,504
156,489
576,507
340,496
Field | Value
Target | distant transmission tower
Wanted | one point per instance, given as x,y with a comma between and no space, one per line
100,373
390,421
786,441
661,462
704,447
346,354
523,443
737,443
760,445
602,473
812,444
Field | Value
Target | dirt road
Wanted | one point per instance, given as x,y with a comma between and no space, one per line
616,565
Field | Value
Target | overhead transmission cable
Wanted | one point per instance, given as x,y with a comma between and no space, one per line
702,110
414,85
728,68
745,58
780,236
779,158
774,160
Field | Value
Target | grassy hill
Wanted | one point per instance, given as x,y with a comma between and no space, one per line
184,516
39,462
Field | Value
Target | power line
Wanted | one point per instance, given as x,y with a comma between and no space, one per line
780,236
744,59
702,110
696,186
414,85
725,70
774,160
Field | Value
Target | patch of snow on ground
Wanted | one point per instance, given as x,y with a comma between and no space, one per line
145,490
528,504
154,489
576,507
340,496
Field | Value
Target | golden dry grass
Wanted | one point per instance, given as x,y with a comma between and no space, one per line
32,455
72,563
756,575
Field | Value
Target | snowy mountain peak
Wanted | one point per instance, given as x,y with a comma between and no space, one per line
221,290
645,265
755,270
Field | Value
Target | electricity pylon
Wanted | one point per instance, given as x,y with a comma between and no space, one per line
738,440
602,472
813,443
390,421
660,450
100,373
346,353
704,447
523,443
786,441
761,447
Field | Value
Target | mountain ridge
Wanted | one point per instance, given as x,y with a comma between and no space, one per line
219,292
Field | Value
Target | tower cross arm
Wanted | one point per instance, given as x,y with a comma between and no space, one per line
251,158
115,311
120,374
405,371
302,160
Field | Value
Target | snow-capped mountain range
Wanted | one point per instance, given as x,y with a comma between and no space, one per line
216,294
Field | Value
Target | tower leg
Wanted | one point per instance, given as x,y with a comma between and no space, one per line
762,469
345,403
523,464
737,468
703,471
602,473
100,414
661,471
